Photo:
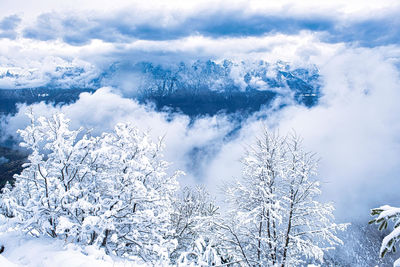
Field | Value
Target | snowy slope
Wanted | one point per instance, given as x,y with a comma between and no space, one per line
22,250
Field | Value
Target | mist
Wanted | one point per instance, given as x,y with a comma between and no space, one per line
344,56
353,129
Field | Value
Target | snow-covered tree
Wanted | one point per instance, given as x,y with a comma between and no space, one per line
58,160
385,214
201,253
275,218
139,196
194,217
113,191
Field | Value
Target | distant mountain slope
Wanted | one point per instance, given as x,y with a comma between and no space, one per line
9,98
10,163
203,87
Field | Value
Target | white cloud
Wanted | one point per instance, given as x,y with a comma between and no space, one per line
101,110
50,70
188,7
39,62
355,130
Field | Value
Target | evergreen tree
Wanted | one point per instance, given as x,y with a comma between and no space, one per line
385,214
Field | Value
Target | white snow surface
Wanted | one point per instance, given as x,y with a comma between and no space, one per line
388,211
5,262
23,250
393,235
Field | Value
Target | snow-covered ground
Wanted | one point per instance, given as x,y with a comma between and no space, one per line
27,251
23,250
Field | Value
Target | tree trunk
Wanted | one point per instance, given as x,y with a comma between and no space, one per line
287,237
93,238
259,243
106,233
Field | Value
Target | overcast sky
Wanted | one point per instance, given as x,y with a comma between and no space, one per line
354,44
94,34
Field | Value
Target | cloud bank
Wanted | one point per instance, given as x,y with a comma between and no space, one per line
81,35
354,44
100,111
355,130
340,21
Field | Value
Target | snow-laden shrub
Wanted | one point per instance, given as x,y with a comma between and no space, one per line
201,253
112,191
195,221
